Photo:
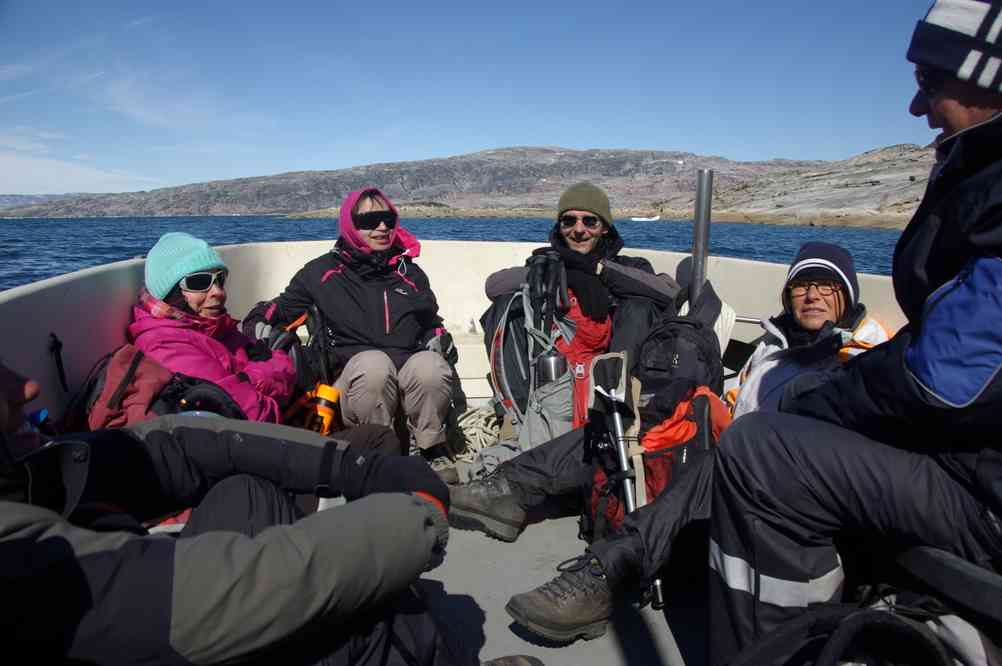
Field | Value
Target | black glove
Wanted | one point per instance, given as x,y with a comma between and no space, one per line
258,350
306,375
582,279
364,472
575,261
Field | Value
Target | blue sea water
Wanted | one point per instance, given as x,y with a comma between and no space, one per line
33,249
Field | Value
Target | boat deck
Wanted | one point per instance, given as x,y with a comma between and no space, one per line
469,591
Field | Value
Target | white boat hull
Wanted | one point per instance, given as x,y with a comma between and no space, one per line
90,309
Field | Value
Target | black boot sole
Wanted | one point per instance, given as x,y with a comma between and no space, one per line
468,519
561,635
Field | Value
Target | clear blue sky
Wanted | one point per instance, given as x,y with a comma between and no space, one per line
127,95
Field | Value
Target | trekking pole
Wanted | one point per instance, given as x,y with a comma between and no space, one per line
700,234
623,460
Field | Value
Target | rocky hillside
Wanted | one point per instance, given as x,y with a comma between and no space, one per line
885,182
21,200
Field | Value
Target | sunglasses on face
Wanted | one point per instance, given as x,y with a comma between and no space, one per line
930,81
201,282
370,221
590,221
825,288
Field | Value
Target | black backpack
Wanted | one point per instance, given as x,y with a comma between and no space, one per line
683,347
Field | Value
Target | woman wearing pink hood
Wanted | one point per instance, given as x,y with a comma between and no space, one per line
181,322
387,347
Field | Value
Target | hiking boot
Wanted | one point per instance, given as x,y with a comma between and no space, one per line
514,660
487,505
578,602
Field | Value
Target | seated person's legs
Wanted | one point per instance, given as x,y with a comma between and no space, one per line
426,384
498,504
784,486
579,601
242,503
368,386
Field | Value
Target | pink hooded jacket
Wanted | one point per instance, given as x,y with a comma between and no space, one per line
400,238
213,349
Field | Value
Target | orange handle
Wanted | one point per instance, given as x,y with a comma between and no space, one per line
296,324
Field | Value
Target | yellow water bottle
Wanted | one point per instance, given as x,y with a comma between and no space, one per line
324,416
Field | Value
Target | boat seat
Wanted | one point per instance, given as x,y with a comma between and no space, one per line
966,587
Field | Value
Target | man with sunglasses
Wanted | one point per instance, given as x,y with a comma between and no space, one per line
614,298
900,446
615,301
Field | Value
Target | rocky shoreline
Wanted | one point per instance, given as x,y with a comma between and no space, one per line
878,188
820,218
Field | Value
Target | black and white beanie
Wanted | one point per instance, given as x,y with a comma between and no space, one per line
816,260
962,37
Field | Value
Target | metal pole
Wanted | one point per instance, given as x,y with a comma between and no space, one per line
700,233
624,459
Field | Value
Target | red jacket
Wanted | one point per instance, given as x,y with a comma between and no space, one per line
213,349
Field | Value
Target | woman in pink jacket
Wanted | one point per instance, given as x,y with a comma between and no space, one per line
181,322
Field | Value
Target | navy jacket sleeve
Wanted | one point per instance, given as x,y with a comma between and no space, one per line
937,383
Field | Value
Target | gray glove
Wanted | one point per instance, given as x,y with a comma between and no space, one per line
262,331
437,521
443,344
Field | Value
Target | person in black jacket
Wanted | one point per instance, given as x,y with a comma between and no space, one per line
248,579
387,347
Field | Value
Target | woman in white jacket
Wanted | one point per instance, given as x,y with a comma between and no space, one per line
822,324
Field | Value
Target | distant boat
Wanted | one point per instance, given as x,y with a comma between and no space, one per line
646,219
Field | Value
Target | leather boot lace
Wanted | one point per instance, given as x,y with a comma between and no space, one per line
579,575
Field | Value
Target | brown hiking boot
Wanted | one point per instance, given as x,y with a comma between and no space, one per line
487,505
578,602
514,660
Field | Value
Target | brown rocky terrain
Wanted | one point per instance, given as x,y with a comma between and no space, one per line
880,188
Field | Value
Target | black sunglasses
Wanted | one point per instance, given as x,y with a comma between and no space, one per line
930,81
590,221
370,221
203,281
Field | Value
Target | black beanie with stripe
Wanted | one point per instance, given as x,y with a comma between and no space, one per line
962,38
824,261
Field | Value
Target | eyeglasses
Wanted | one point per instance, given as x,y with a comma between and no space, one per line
590,221
930,81
372,220
201,282
826,288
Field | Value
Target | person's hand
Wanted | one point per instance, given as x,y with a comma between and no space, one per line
439,522
15,392
575,261
443,345
259,350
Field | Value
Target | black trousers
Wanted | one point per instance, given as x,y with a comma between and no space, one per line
561,469
402,634
784,487
555,469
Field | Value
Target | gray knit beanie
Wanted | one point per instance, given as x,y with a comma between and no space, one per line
585,196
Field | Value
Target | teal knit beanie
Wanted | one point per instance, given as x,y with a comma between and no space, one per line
175,255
